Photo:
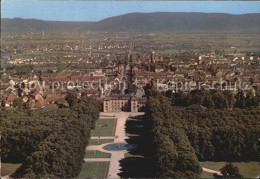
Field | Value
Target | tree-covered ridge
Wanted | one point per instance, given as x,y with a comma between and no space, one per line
143,22
48,143
177,139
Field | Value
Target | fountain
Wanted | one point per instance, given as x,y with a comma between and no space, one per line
118,147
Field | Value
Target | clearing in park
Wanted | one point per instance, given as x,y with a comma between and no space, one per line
96,154
100,141
8,168
94,170
105,127
247,169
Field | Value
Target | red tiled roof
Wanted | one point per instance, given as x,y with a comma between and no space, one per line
11,97
61,100
92,91
40,103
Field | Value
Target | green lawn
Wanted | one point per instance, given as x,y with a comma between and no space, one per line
8,168
131,155
94,170
129,134
100,141
247,169
105,127
96,154
206,175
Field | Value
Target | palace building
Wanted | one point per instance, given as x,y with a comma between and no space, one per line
118,103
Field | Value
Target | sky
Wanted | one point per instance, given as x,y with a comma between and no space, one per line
98,10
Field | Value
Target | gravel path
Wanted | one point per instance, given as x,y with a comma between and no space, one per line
116,156
120,137
211,171
97,159
104,137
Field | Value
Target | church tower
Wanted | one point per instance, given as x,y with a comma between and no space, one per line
152,56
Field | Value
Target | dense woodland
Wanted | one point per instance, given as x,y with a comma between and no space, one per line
177,139
48,143
211,99
215,99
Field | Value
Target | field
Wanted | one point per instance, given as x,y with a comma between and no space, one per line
100,141
105,127
8,168
94,170
247,169
96,154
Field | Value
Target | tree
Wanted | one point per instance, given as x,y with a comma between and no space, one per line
229,171
240,99
18,102
131,88
230,98
49,144
220,100
170,151
209,103
71,98
168,94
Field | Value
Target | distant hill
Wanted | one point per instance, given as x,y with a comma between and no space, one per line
159,21
19,24
168,21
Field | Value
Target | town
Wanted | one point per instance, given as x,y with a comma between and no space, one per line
74,68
